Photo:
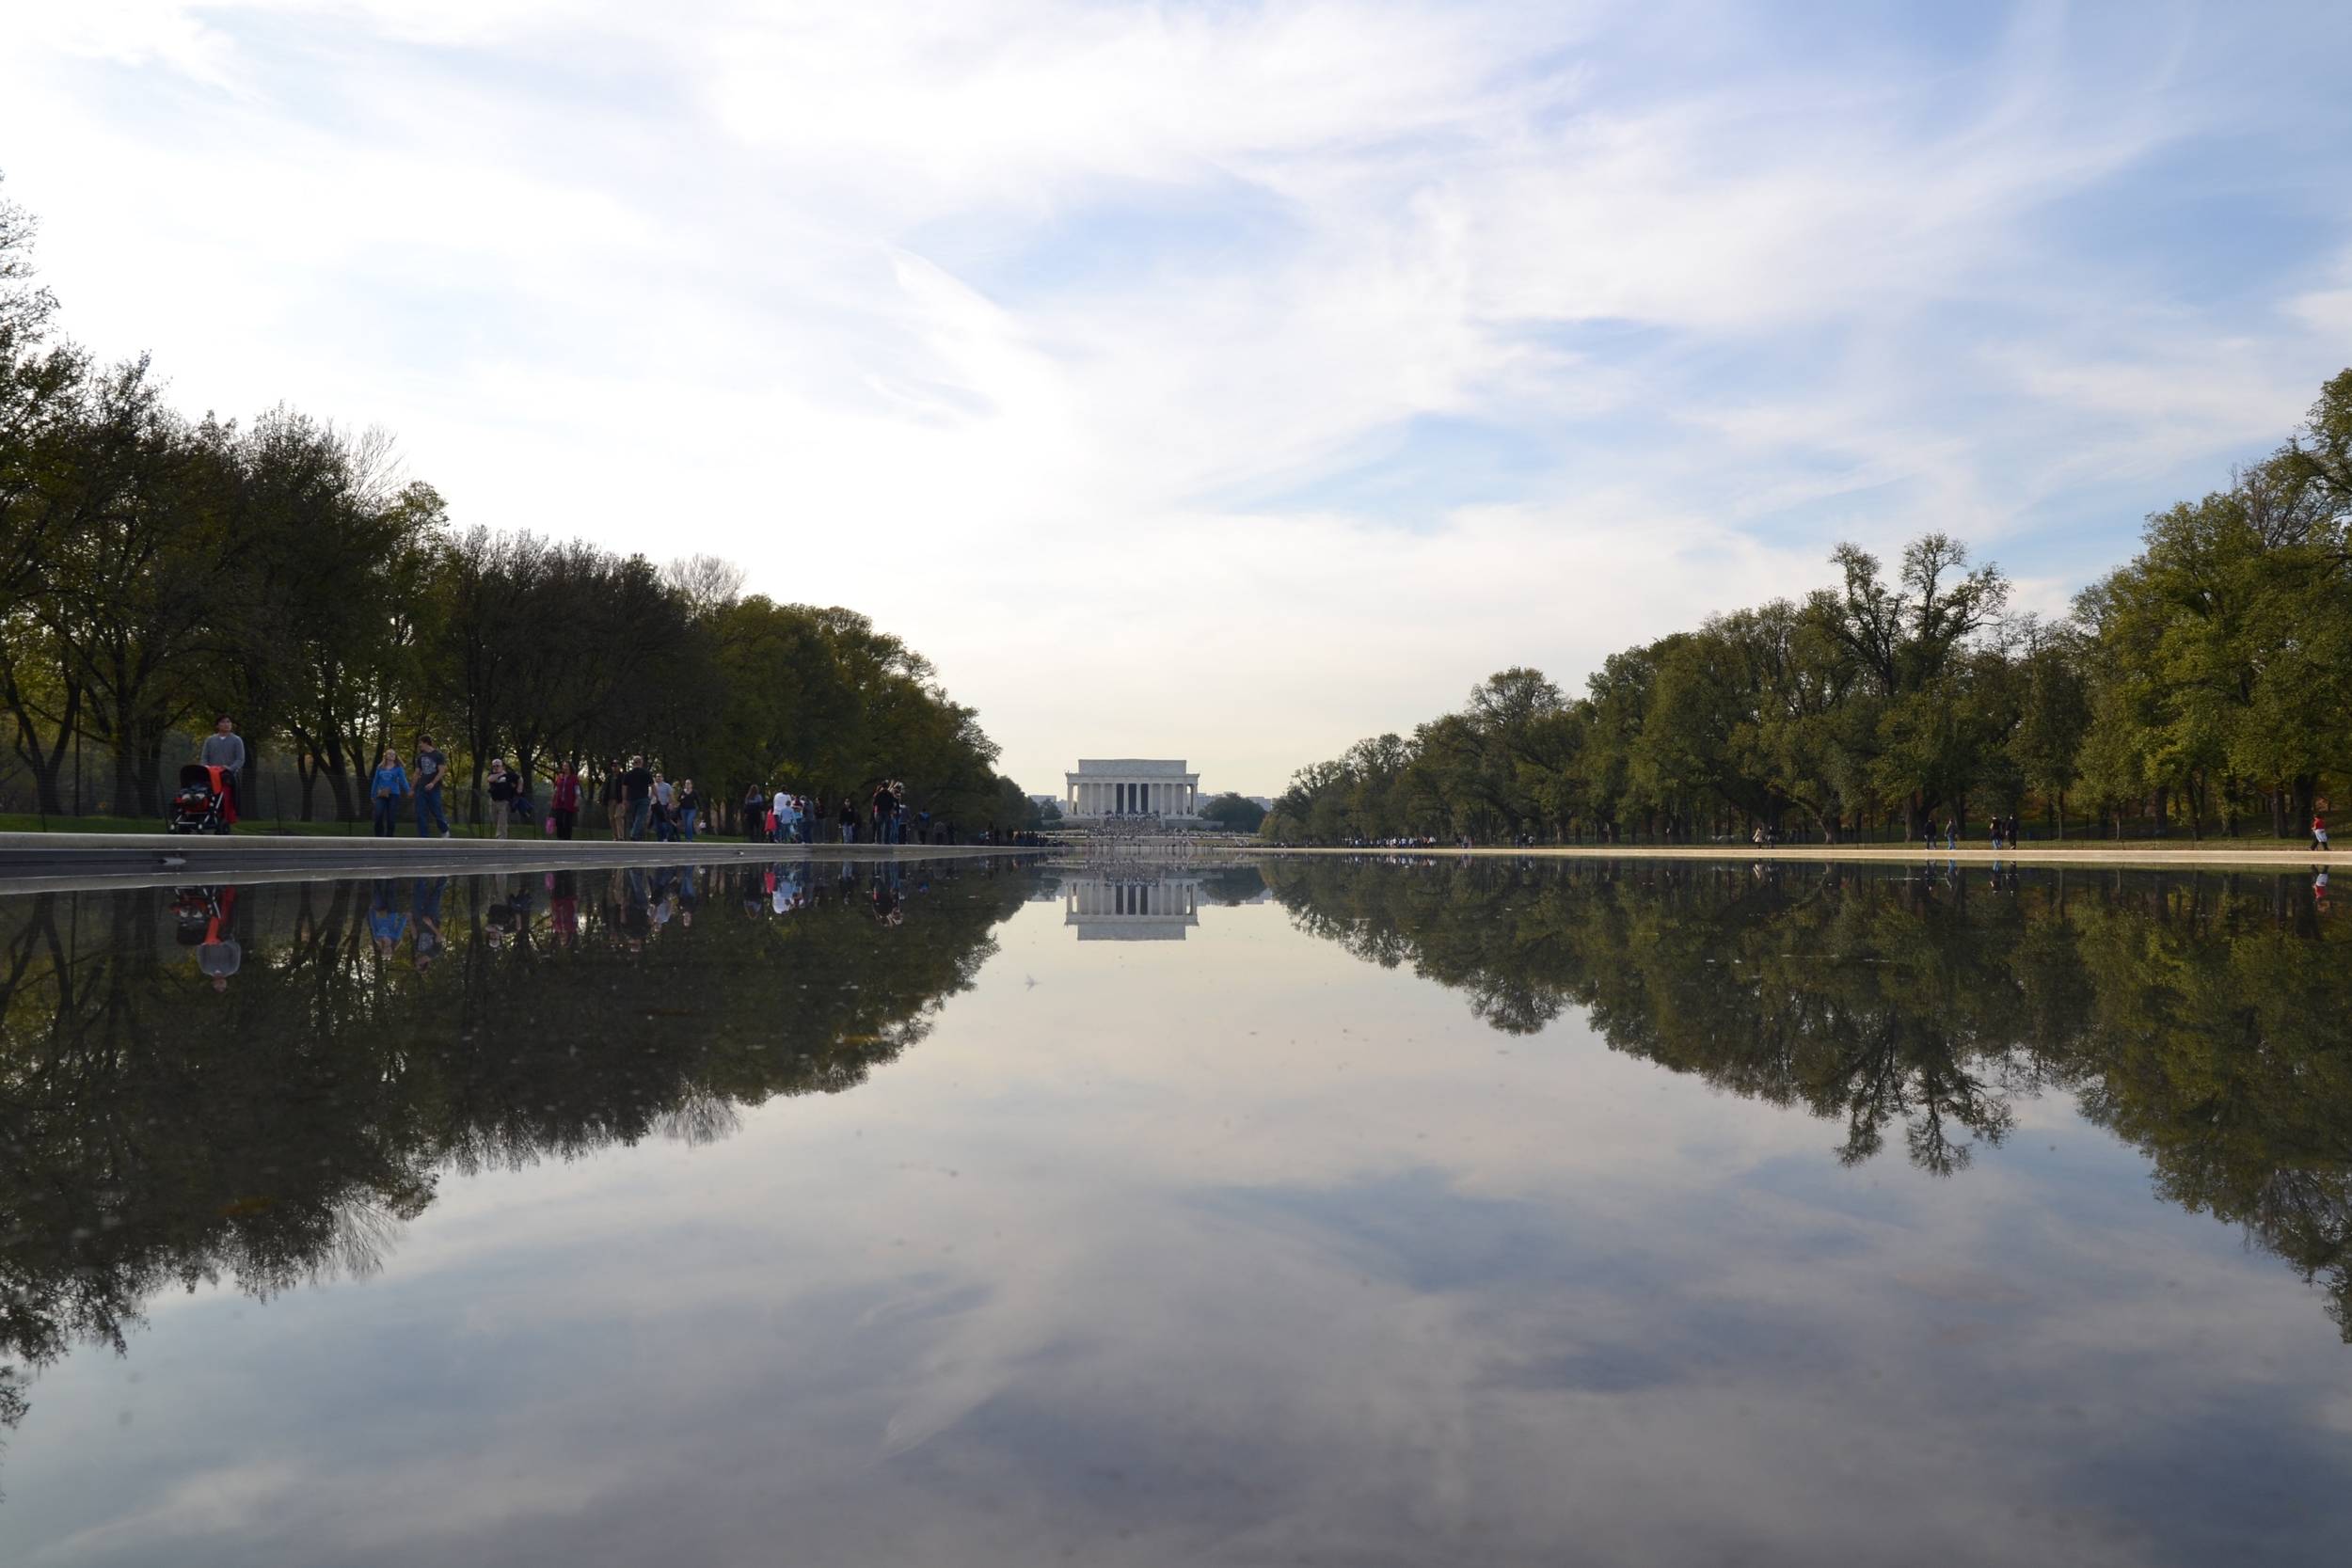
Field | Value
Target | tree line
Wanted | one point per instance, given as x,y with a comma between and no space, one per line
2205,685
158,570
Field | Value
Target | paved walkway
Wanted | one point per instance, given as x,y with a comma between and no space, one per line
2267,856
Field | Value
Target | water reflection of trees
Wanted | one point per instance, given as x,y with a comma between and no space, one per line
156,1132
2198,1015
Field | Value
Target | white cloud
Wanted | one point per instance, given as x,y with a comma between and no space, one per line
982,318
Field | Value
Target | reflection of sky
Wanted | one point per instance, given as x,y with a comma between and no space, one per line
1233,1251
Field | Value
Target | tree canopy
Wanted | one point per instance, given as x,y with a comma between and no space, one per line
156,571
2206,683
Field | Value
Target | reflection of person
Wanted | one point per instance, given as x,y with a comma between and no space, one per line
387,924
224,749
636,910
563,905
425,942
219,955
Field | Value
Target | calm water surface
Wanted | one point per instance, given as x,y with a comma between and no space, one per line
1313,1211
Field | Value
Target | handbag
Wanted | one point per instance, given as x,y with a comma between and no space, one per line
549,828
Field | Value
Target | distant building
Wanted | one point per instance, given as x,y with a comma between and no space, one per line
1131,789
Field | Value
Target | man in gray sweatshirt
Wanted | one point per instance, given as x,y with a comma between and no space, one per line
224,749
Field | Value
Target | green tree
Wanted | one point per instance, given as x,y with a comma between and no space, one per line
1235,812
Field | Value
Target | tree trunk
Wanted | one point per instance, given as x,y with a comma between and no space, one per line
46,762
336,765
124,785
148,778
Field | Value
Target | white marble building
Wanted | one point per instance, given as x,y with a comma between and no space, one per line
1127,789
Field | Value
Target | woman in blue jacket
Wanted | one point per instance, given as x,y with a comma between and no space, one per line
391,783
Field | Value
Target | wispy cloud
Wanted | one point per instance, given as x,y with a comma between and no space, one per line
1060,336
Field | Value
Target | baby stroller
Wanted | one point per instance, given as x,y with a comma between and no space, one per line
203,805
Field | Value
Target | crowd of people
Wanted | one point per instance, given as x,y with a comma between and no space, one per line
784,818
642,803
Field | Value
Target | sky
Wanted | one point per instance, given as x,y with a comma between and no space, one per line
1227,381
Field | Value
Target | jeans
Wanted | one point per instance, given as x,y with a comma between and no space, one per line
638,813
686,822
386,814
429,811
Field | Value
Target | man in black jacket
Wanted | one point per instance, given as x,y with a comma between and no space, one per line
637,790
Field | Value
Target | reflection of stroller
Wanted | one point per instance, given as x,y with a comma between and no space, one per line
203,805
198,912
207,922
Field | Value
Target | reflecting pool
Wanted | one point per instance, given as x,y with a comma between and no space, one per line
1313,1210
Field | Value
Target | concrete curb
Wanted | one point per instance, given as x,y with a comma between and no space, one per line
35,863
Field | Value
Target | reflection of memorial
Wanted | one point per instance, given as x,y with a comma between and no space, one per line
1133,907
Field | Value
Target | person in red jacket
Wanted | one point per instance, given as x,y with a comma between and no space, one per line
564,805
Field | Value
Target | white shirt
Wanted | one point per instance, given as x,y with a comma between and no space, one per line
783,806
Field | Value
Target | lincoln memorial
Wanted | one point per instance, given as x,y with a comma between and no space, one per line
1130,788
